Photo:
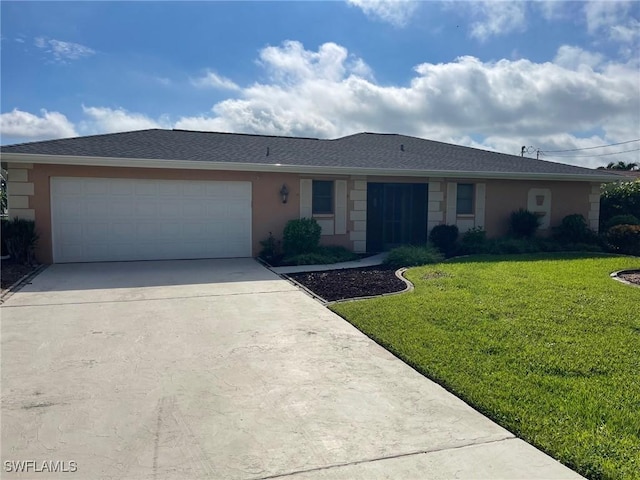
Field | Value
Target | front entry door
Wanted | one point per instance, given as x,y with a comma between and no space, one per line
396,215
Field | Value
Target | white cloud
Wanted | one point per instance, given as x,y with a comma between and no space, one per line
108,120
497,18
24,125
629,33
63,51
213,80
395,12
551,9
501,105
614,19
510,103
574,58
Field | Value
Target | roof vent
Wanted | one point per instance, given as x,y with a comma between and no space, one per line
402,147
267,151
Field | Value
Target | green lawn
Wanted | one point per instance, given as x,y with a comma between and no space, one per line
546,345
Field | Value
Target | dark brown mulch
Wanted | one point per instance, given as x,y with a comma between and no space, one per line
11,272
632,276
334,285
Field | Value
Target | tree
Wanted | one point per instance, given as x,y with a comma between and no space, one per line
621,166
3,191
619,198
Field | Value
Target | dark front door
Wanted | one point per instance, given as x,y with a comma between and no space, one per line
396,215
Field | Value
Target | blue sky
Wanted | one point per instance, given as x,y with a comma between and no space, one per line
550,75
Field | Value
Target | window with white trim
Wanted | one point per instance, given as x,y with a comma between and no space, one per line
322,197
464,199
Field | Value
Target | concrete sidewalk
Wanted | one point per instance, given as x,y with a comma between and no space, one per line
363,262
219,369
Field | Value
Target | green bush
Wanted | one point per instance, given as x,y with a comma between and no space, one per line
473,241
510,245
582,247
3,235
620,198
624,239
444,237
621,220
574,229
523,223
413,256
301,236
20,238
270,247
322,255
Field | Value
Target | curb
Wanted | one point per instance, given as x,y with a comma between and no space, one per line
304,289
399,273
21,283
615,276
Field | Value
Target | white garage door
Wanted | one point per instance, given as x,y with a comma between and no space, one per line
113,219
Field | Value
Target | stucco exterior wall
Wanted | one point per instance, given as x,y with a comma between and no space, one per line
269,213
29,197
503,197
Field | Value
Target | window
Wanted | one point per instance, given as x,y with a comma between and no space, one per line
322,197
464,199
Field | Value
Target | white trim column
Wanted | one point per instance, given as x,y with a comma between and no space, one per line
594,207
358,214
435,212
19,189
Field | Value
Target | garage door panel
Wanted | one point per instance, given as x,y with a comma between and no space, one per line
67,187
194,189
96,186
97,209
146,208
102,219
95,233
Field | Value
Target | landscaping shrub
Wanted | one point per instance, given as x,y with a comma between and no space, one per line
574,229
624,239
473,241
582,247
621,220
322,255
511,245
523,223
3,235
270,249
20,238
301,236
620,198
413,256
444,237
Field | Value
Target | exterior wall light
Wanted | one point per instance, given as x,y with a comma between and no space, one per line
284,193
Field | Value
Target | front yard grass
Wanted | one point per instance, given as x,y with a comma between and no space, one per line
547,345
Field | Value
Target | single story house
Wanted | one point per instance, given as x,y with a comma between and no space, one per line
173,194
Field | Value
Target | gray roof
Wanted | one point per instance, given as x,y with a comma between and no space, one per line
359,151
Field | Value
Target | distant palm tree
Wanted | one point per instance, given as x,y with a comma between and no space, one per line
621,166
3,191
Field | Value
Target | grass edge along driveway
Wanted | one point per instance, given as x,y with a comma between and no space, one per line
547,345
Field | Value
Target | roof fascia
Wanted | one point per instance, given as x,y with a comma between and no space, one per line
300,169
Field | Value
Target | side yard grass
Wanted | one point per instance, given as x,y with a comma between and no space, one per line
547,345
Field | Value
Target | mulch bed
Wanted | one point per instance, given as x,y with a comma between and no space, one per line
632,276
332,285
11,272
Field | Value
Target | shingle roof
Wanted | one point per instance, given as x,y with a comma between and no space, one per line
359,151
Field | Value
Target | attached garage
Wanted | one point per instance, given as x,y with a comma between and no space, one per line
119,219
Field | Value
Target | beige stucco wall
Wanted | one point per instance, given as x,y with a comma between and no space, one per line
503,197
269,213
29,196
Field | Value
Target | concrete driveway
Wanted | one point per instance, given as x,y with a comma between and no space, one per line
220,369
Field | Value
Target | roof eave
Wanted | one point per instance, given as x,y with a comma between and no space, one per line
301,169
